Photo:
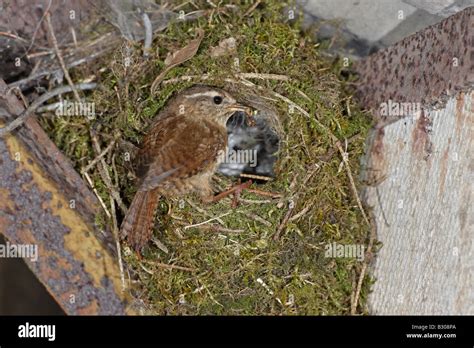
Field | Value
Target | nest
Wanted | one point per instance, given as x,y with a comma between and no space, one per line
267,255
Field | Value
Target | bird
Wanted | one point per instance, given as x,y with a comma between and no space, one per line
179,155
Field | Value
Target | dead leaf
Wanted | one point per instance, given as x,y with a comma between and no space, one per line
180,56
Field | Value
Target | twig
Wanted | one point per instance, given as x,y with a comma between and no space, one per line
160,245
97,195
263,76
46,12
300,214
186,78
352,182
38,54
304,95
255,177
12,36
219,228
60,58
257,218
202,211
291,206
252,8
238,75
104,173
330,153
74,38
117,241
255,201
300,109
283,223
354,285
44,97
207,221
49,107
145,269
20,95
102,154
165,265
265,193
33,77
367,259
114,170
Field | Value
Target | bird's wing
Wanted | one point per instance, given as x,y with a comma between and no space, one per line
178,148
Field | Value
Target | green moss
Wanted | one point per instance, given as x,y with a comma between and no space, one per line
230,268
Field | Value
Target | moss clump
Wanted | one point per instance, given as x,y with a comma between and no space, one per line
233,264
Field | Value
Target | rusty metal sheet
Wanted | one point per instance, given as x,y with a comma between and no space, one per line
426,67
76,261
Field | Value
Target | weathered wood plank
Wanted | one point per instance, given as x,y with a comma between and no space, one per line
424,213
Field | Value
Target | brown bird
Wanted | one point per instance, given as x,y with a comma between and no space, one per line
179,155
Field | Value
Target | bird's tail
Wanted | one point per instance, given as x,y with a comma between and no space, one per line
137,226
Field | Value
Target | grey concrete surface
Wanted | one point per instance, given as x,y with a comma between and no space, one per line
364,26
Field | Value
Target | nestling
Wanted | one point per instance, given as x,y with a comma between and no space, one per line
179,154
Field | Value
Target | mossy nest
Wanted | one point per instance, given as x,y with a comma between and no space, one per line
267,256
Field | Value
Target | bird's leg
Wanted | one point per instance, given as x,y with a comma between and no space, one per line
235,200
236,190
261,192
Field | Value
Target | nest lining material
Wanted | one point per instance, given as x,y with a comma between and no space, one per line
267,255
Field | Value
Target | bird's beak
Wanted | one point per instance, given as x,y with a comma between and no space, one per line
246,109
239,107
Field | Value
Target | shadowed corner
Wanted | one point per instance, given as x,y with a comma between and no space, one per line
20,291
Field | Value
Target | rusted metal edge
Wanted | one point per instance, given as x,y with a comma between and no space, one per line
426,67
45,203
424,70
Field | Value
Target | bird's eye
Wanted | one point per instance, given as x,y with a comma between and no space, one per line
217,99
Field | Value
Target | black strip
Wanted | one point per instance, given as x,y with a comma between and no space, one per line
243,330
